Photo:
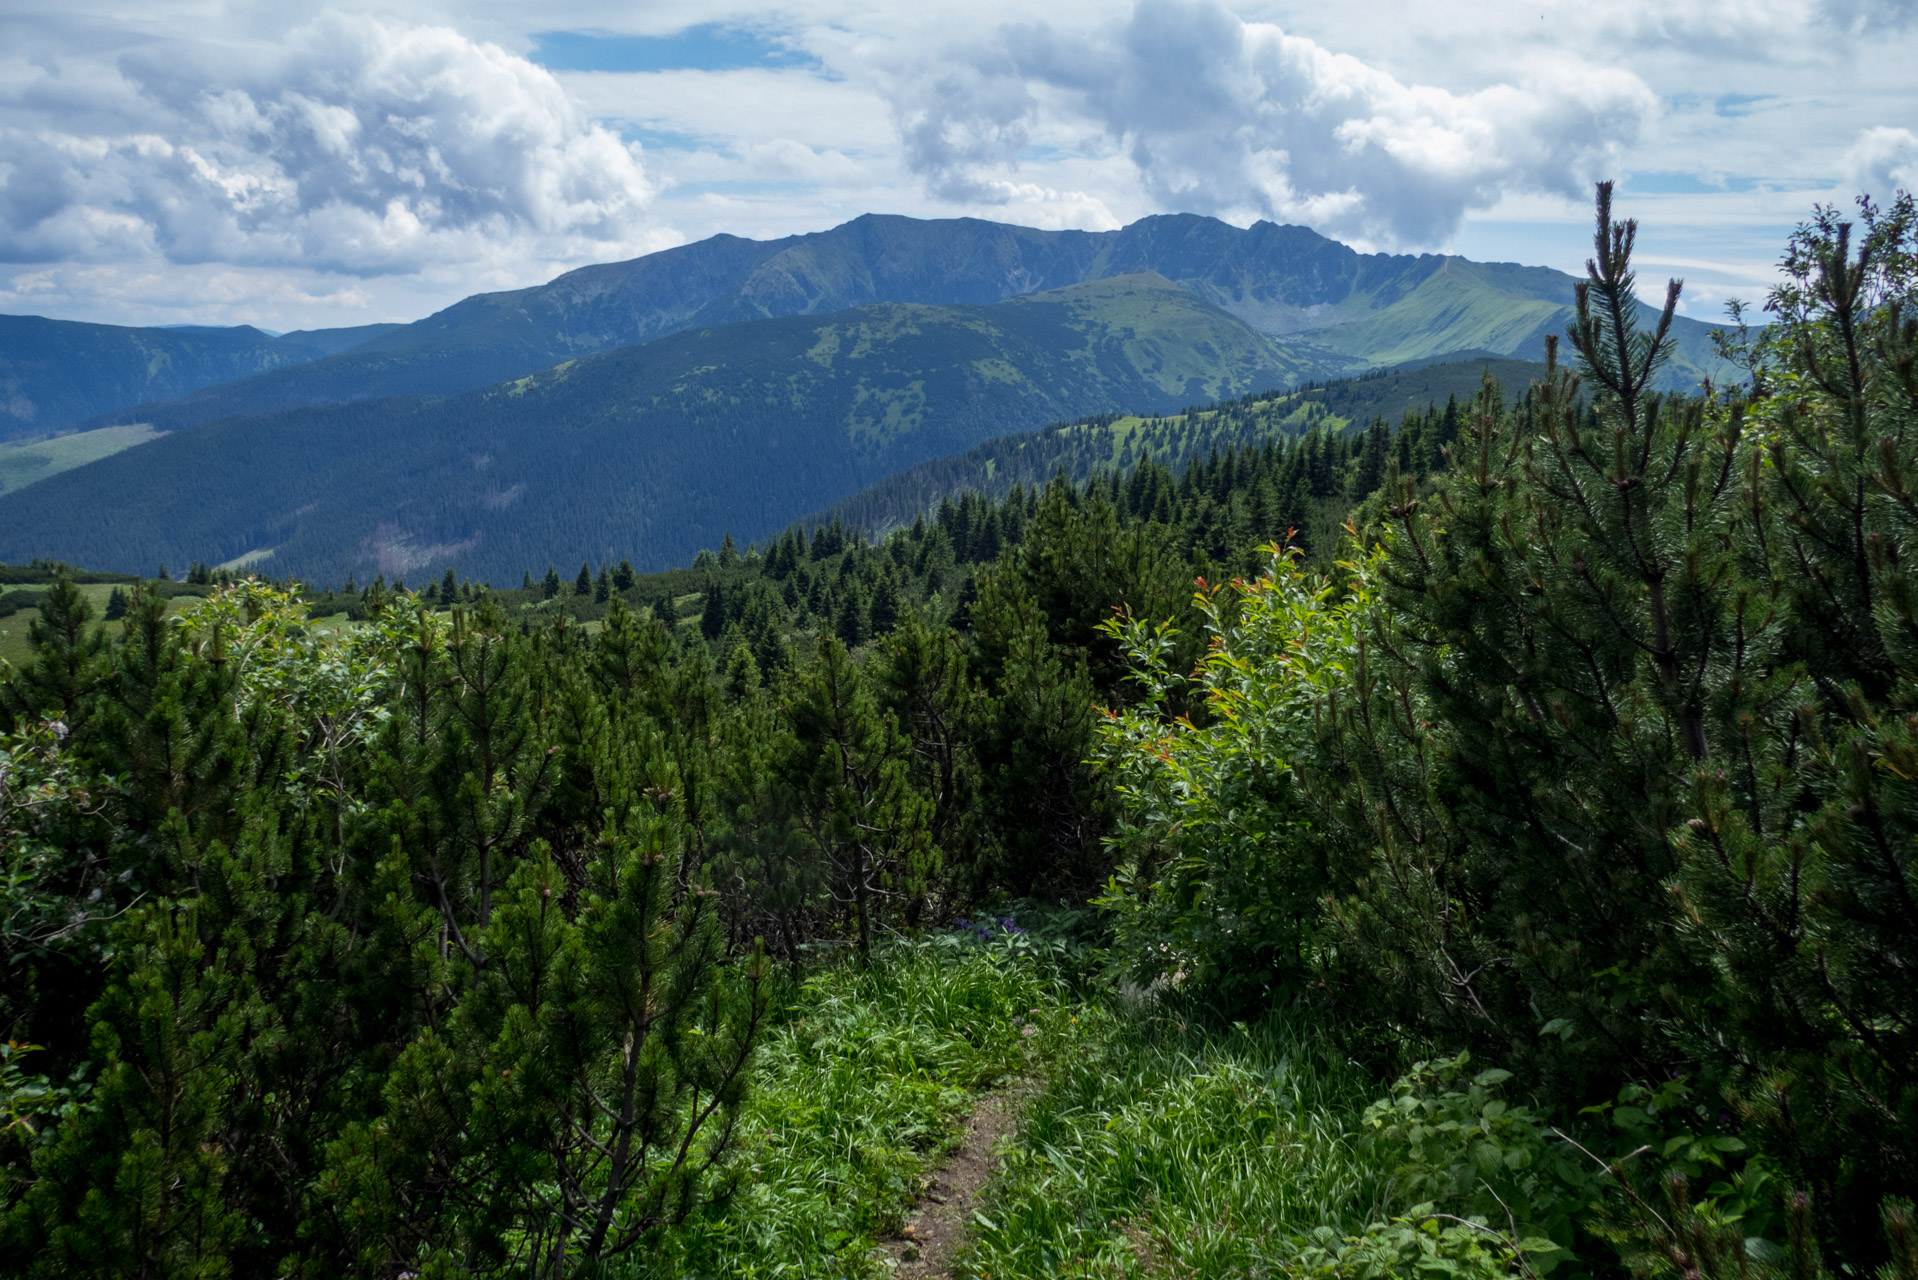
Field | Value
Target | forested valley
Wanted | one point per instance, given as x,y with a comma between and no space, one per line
1482,843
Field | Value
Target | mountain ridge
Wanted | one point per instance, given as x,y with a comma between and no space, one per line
1286,281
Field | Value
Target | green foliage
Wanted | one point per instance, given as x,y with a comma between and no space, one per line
1162,1148
1803,900
848,769
1222,877
55,894
580,1099
1418,1243
31,1109
1451,1138
1596,764
333,846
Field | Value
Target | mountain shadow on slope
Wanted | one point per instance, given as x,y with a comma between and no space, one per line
56,374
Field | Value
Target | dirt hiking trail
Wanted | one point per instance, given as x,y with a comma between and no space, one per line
936,1226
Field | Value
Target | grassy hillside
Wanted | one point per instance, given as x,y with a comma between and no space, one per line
650,452
23,589
26,462
1498,308
1110,441
493,336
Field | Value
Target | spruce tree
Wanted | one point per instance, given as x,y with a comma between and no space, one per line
742,670
68,660
715,611
851,619
884,612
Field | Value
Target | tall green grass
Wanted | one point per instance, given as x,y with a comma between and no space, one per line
1156,1147
857,1093
1163,1149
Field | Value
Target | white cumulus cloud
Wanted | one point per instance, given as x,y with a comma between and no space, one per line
1882,161
362,146
1241,119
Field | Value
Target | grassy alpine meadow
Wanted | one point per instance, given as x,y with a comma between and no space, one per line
24,463
1161,1148
860,1090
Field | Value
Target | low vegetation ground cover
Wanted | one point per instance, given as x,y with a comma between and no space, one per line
1155,1140
19,610
860,1089
1162,1147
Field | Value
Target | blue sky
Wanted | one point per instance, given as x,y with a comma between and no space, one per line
708,46
300,164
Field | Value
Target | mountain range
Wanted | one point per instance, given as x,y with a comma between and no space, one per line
650,451
642,409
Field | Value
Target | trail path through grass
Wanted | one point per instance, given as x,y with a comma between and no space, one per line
936,1227
867,1089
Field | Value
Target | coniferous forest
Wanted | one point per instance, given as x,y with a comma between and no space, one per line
1479,844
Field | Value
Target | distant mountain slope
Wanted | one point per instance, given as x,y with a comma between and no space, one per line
1501,309
491,337
26,462
330,342
1286,281
1078,449
649,452
55,374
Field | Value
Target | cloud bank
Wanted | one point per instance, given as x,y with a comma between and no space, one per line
1883,161
366,147
1240,119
